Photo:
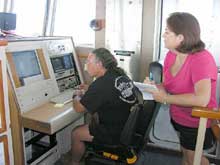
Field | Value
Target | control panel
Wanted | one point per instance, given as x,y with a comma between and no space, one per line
62,54
42,68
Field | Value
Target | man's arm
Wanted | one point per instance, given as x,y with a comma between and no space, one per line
78,107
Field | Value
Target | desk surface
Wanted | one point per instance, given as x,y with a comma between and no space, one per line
49,119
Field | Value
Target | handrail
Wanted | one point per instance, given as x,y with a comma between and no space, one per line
206,112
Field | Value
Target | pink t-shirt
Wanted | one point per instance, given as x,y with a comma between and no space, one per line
198,66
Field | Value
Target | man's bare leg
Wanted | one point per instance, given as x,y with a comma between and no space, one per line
79,135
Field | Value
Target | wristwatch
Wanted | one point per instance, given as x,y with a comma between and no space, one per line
76,97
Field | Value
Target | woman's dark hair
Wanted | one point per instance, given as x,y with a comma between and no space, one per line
108,60
187,25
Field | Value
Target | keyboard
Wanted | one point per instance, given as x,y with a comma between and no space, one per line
64,97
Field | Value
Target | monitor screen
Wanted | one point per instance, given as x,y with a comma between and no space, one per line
68,61
26,64
62,62
57,64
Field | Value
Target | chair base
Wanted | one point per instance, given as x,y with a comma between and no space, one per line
94,160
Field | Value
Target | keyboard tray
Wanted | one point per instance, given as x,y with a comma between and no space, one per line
63,98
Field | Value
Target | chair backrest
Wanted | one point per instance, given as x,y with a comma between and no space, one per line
143,113
155,72
129,129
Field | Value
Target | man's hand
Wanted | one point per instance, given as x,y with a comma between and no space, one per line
80,90
84,87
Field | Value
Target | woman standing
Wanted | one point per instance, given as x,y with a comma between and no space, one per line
189,79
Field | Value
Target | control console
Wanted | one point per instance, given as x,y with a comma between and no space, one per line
62,55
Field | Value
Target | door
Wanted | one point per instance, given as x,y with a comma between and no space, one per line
123,33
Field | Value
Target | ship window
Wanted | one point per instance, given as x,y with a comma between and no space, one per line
72,18
208,15
30,17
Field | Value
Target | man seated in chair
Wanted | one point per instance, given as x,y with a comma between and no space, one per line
109,97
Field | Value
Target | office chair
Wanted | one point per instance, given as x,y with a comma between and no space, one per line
134,134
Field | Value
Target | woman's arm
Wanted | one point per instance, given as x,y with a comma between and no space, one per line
201,96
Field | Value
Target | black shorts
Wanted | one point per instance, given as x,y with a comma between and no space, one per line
188,136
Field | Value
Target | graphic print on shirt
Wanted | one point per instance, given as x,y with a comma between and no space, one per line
125,86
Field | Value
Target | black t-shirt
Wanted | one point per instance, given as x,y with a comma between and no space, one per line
111,96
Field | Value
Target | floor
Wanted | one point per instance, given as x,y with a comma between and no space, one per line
65,160
163,133
148,157
157,158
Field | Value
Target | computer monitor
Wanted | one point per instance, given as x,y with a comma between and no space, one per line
7,21
27,66
62,63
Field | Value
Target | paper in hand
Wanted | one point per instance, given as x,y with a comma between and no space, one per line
143,87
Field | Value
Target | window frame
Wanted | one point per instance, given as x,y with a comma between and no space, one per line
2,103
4,140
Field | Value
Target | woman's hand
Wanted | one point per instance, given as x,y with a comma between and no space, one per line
159,95
148,81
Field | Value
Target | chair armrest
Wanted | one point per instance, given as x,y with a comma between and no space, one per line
206,112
